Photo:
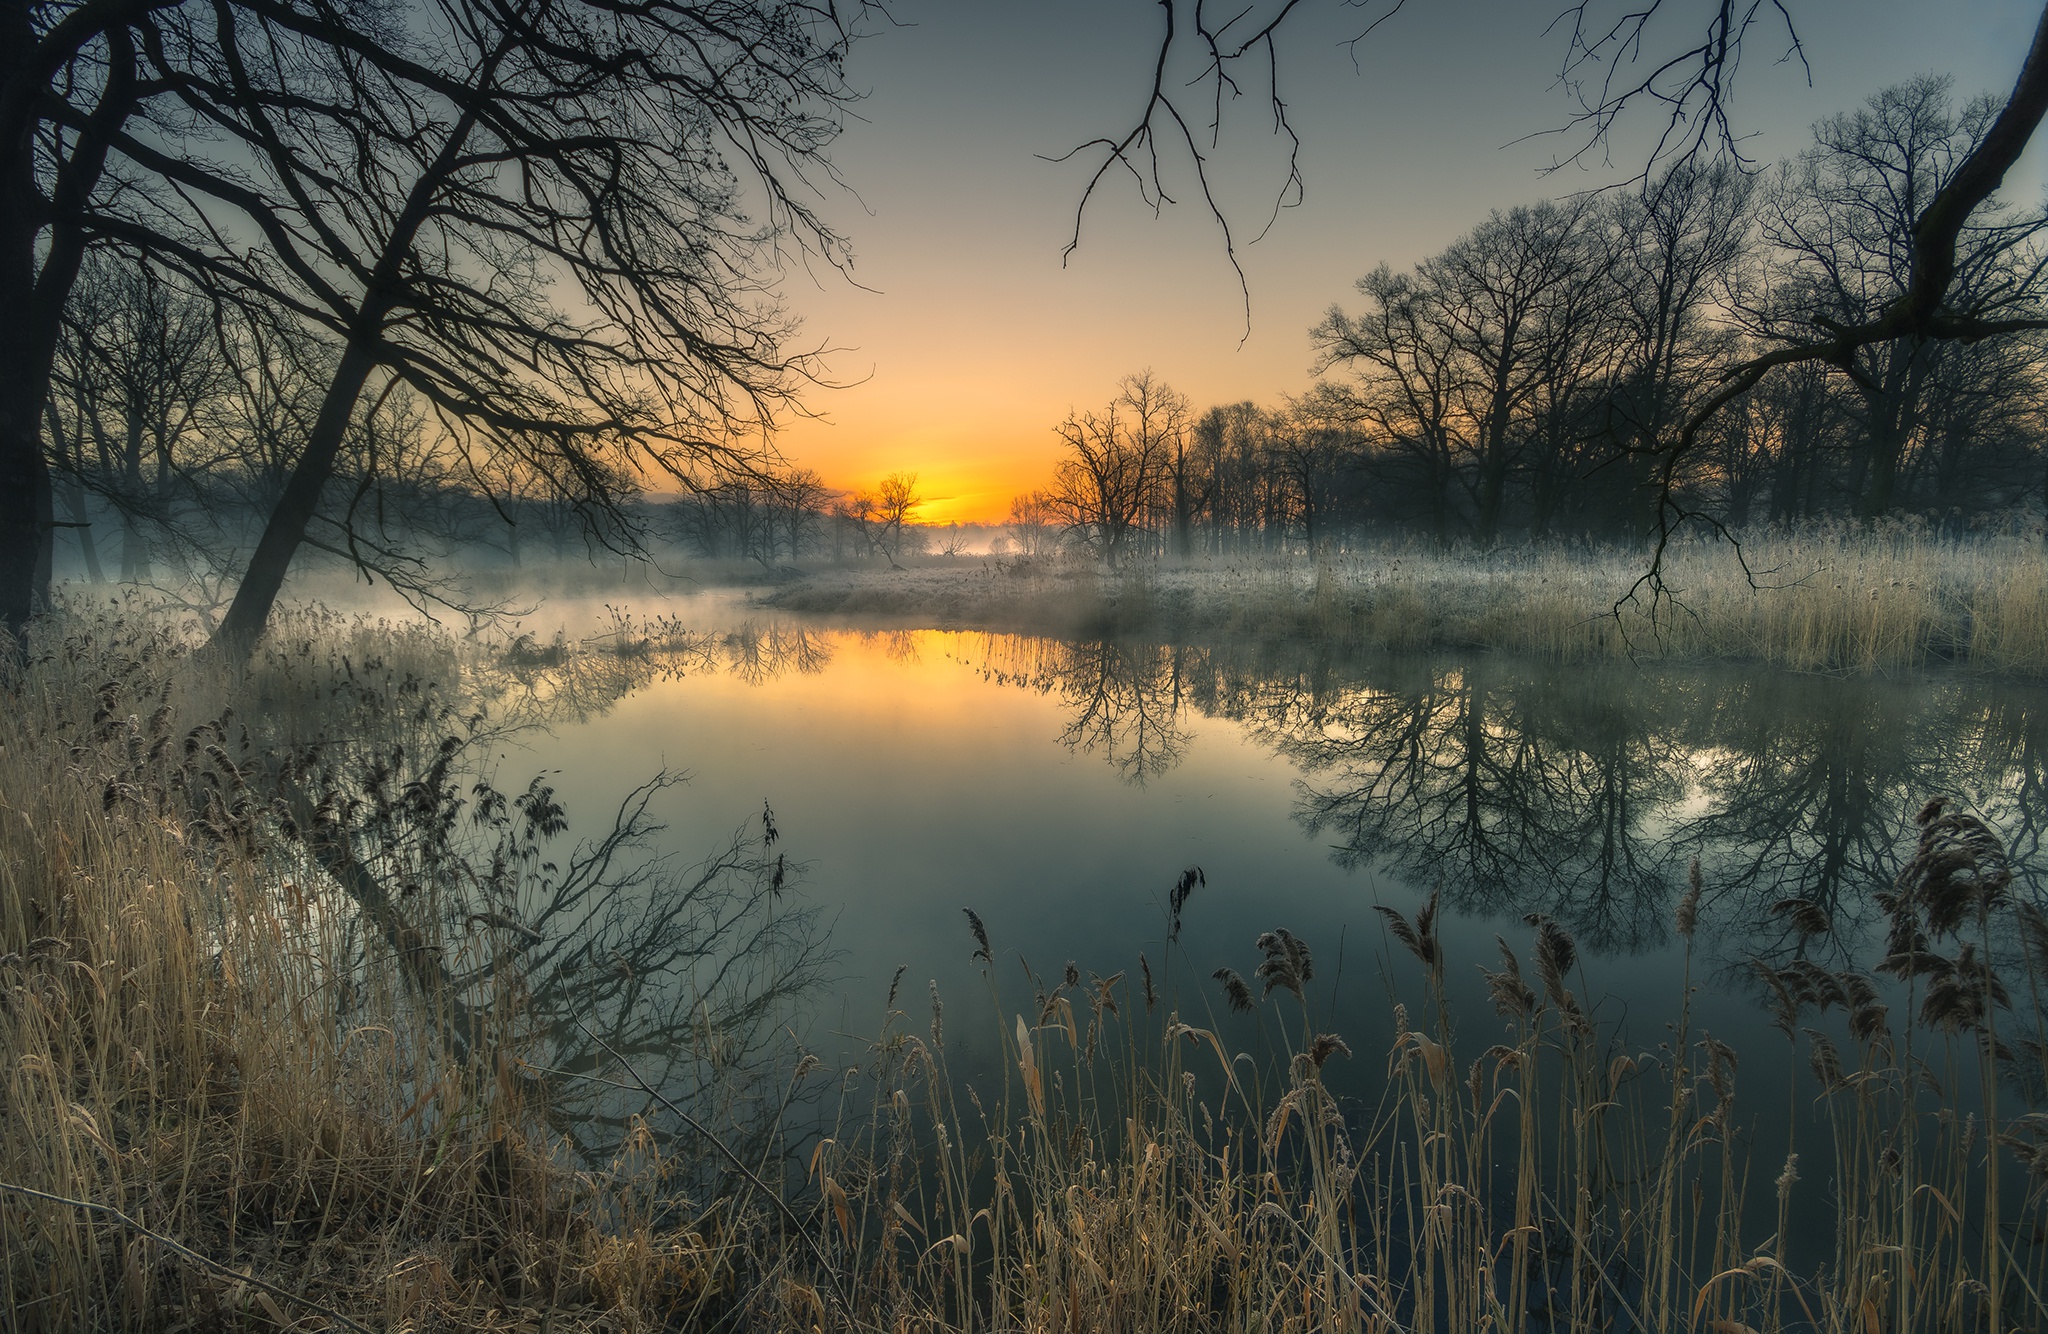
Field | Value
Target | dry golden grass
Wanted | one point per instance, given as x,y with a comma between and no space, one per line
235,1110
1135,1174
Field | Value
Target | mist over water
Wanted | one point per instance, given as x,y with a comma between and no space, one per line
1060,788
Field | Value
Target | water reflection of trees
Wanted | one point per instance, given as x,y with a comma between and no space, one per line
1125,701
1513,798
1808,786
374,781
1583,793
562,681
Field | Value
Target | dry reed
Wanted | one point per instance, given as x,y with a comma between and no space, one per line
203,1047
1137,1178
227,1101
1846,599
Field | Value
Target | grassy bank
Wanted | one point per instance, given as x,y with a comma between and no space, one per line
271,1048
1823,600
1138,1175
245,1089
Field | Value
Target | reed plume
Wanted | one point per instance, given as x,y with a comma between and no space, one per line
1177,899
1234,989
1513,998
1325,1046
1287,963
1806,918
1687,917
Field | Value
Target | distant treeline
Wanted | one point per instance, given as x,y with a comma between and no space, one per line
172,431
1525,381
1529,378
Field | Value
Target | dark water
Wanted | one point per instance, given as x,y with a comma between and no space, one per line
1059,789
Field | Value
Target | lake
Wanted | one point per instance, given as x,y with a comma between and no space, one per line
1060,789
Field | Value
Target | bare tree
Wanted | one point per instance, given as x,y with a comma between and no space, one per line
1919,306
1229,451
549,218
1674,57
1101,487
1514,298
1676,247
1467,349
1841,220
800,499
896,500
1034,525
1108,485
1190,483
1409,382
1311,455
139,368
883,516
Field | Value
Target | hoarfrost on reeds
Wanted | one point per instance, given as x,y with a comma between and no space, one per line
1839,598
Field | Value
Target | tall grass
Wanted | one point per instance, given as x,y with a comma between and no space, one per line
1136,1173
1815,599
236,1096
240,1090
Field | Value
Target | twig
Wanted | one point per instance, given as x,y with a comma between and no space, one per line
187,1252
739,1164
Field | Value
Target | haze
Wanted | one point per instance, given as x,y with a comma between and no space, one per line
966,339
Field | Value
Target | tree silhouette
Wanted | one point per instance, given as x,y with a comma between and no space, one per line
550,219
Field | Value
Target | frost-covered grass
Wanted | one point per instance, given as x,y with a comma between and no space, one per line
1821,599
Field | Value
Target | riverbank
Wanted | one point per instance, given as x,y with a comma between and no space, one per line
1824,601
275,1010
248,1089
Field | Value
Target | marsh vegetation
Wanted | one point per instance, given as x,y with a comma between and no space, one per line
1827,599
316,1021
1542,827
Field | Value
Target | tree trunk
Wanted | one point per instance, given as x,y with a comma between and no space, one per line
81,524
1493,481
135,567
250,610
1891,421
134,552
27,346
72,470
36,274
46,550
24,486
1887,442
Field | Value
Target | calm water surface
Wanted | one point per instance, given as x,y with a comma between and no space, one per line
1059,789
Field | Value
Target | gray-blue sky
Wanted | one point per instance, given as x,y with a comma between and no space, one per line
975,339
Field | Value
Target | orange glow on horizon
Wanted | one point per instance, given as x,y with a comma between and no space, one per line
966,473
954,492
967,329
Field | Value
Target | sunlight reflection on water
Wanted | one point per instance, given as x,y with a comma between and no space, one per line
1060,788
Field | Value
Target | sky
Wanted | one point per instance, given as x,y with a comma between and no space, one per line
960,339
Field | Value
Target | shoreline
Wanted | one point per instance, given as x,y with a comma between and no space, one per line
1832,604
